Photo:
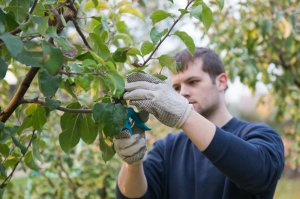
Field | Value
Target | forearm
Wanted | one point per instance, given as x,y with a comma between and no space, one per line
199,130
132,181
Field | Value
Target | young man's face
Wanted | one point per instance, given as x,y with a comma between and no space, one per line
204,93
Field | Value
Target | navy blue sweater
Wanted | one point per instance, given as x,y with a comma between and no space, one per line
244,160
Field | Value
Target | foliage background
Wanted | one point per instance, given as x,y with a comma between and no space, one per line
80,52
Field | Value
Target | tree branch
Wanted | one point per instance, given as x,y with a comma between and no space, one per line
63,109
18,96
7,179
81,34
77,27
168,33
75,73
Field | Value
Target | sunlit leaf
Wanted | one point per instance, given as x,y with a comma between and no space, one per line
147,47
159,15
39,118
168,61
131,10
187,40
221,4
206,16
29,161
106,147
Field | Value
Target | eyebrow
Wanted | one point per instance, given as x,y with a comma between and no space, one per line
186,80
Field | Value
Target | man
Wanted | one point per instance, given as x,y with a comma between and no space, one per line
216,156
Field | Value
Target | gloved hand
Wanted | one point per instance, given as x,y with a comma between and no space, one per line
132,148
155,96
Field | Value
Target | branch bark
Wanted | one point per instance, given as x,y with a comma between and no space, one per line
18,96
63,109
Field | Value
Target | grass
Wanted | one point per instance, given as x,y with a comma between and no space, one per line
288,189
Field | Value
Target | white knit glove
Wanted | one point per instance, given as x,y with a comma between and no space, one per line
155,96
132,149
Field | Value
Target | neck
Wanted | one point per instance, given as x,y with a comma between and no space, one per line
221,116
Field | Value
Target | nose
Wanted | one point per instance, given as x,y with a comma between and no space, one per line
185,91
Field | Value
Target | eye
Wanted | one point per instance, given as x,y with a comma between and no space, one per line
192,82
176,88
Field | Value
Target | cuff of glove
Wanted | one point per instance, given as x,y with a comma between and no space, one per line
184,116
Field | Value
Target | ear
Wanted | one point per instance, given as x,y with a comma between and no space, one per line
221,81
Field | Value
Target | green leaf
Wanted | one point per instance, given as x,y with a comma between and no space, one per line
88,129
4,150
2,126
221,4
2,27
168,61
99,46
29,161
53,58
106,147
131,10
11,161
19,8
3,69
70,135
206,16
13,43
2,171
102,112
31,55
48,84
122,27
84,81
119,83
147,47
76,126
187,40
19,145
1,192
39,118
111,116
52,104
36,148
27,122
120,55
159,15
96,57
196,11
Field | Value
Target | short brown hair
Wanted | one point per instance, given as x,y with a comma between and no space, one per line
211,62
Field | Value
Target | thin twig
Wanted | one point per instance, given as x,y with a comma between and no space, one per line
63,109
81,35
7,179
76,73
168,33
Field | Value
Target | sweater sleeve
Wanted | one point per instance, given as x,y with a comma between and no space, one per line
253,162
